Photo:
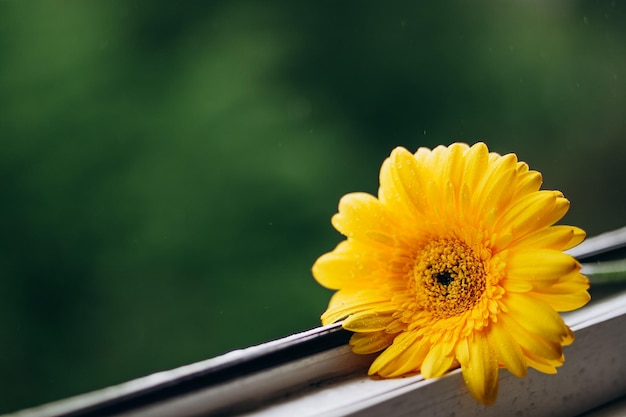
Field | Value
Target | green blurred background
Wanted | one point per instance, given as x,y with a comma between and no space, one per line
168,171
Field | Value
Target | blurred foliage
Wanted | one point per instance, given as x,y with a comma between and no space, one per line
168,171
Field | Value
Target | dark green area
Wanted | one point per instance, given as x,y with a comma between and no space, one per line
168,170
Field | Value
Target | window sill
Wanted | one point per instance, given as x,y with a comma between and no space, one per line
314,373
305,375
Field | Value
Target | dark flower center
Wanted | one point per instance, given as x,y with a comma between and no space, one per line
444,278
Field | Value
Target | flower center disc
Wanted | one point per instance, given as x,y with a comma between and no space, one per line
449,278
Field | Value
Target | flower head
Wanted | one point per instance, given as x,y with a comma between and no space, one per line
456,263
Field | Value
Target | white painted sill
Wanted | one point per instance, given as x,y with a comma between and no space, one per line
314,373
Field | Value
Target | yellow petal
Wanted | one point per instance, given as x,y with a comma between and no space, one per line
527,183
437,163
540,267
445,189
361,216
507,349
422,155
556,237
569,293
346,302
345,267
404,355
530,342
537,317
577,237
462,351
396,326
455,166
495,188
572,282
543,365
364,343
437,361
516,285
534,212
563,302
404,176
569,338
436,182
477,158
480,370
409,361
391,192
522,168
368,321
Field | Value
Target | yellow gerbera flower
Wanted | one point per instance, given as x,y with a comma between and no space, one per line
456,263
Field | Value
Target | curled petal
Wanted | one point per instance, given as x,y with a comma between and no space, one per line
364,343
405,355
368,321
346,302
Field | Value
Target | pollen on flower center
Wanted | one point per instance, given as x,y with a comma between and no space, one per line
448,277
